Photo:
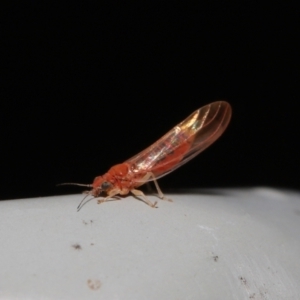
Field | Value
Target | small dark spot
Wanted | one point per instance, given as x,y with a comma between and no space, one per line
252,296
216,258
91,221
77,246
94,284
243,280
92,244
84,222
262,294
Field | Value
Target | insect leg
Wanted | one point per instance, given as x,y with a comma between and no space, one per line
111,195
139,193
160,193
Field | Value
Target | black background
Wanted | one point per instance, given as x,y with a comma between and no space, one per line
87,85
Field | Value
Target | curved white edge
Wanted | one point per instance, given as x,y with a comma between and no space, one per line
207,244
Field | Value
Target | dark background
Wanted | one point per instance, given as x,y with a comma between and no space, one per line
86,86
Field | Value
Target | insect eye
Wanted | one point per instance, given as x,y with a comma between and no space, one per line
105,185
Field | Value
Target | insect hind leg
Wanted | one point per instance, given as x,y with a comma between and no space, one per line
160,193
139,193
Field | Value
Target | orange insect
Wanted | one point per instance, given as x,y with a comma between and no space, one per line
177,147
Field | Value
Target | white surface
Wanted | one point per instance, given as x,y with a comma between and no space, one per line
222,244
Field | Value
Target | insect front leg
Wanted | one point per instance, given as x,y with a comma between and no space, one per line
112,194
139,193
86,192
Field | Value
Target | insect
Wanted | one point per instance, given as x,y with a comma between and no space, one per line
174,149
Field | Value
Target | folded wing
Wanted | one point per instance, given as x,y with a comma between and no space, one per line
184,141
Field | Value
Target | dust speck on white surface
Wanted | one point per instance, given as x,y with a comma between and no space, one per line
94,284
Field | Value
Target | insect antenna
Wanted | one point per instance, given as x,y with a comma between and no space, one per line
73,183
79,206
78,184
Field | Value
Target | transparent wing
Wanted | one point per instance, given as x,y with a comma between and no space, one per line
184,141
